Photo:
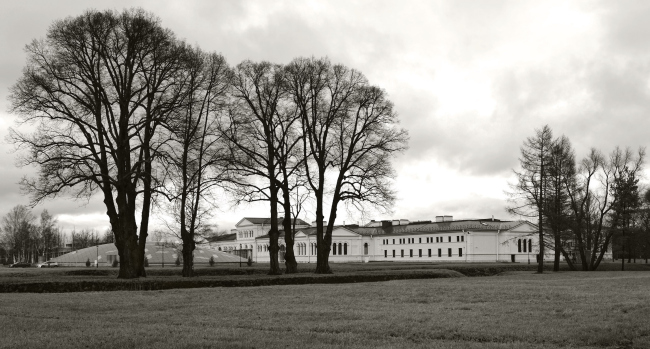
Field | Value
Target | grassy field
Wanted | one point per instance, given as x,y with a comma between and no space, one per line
513,310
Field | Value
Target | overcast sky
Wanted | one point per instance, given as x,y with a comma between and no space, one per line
469,79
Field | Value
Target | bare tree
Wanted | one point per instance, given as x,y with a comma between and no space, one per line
592,201
623,220
19,234
196,153
528,194
350,134
557,211
98,87
253,131
50,235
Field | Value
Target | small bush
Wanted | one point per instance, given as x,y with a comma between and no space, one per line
249,261
115,263
88,262
146,262
178,261
211,261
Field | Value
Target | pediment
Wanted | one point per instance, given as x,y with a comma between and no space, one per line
524,227
342,232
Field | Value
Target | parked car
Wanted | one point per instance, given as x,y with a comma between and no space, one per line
48,264
20,265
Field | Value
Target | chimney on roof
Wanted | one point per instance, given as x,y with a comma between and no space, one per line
449,218
440,219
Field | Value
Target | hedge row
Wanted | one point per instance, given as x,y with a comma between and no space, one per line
162,284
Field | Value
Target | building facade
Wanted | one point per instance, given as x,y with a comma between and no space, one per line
443,240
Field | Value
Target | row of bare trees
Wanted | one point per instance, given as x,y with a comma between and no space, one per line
25,237
124,109
580,206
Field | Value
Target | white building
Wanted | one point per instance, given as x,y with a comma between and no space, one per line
444,240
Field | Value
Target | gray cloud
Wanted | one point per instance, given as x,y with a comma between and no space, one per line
589,81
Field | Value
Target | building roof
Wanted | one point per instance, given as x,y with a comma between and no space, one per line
154,252
255,220
224,237
420,228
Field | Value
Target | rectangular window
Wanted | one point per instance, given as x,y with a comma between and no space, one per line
420,252
449,239
402,252
462,238
385,253
393,253
410,253
460,252
457,238
449,252
420,240
429,252
393,241
439,252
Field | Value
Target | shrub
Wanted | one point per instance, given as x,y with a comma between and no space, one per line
211,261
115,263
88,262
146,262
249,261
178,261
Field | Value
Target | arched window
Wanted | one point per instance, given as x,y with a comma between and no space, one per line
365,248
340,248
334,249
345,248
525,245
530,245
519,245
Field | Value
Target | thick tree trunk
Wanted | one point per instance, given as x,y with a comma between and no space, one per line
128,251
323,246
290,263
188,257
274,236
274,249
558,252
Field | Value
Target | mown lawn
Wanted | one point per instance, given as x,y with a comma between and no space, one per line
516,310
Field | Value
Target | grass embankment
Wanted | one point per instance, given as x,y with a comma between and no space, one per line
514,310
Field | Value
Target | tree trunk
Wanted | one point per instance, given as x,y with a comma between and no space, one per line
322,245
290,263
274,235
188,256
127,248
623,257
558,247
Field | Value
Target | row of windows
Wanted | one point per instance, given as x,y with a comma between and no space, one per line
245,234
301,249
428,240
449,253
523,243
